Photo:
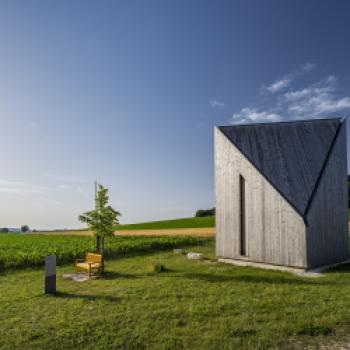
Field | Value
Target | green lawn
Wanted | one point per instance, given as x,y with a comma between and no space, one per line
192,305
208,221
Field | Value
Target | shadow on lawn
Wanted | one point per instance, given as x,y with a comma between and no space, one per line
209,277
111,275
340,268
94,297
217,278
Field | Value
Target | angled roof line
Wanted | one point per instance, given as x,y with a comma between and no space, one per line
285,122
266,178
341,125
300,207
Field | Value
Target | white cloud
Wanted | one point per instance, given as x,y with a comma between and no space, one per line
307,67
279,85
217,104
19,187
317,99
64,178
320,99
43,203
65,187
296,95
252,115
283,83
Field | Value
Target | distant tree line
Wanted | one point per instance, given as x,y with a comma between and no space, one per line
24,228
205,212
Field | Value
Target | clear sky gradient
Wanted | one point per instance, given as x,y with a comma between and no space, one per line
128,93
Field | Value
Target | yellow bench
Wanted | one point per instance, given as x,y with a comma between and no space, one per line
92,262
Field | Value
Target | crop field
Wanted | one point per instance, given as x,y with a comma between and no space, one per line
18,250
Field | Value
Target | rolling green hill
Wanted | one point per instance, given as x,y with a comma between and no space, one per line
194,222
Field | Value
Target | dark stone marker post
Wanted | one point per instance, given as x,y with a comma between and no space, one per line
50,274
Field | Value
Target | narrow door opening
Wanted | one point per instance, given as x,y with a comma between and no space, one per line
243,241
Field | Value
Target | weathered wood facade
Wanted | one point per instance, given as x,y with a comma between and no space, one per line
281,193
327,217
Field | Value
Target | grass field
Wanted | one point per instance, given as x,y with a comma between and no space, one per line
18,250
192,222
195,227
191,305
208,221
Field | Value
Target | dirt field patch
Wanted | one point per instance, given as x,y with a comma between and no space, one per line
199,232
196,232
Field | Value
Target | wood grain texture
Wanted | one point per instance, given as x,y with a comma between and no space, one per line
327,217
275,232
290,155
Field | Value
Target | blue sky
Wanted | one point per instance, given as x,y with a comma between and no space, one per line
128,93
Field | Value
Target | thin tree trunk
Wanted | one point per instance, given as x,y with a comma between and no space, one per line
98,245
103,253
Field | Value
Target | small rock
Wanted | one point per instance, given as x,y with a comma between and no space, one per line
80,278
195,256
76,277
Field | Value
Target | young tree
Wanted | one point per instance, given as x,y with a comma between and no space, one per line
102,220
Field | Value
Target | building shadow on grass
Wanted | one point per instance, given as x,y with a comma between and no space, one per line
279,280
340,268
112,275
90,297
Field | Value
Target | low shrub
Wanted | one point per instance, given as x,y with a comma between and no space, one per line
158,267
